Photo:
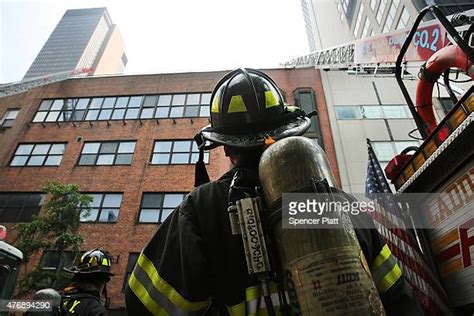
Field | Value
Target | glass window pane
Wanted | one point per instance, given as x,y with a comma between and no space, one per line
53,160
126,147
206,98
50,259
399,146
383,151
182,146
96,200
11,114
40,116
45,105
178,99
371,111
24,149
36,160
164,100
347,112
78,115
191,111
52,117
172,200
206,157
87,160
149,216
394,111
132,114
162,147
160,159
108,215
105,159
96,103
108,103
89,215
193,99
112,200
161,112
105,114
57,105
147,113
165,213
92,115
194,158
19,161
91,148
108,148
150,101
177,112
82,104
118,114
152,200
121,102
205,111
57,149
180,158
135,102
124,159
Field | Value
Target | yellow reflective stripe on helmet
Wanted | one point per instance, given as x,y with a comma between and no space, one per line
389,279
270,100
167,290
237,105
215,105
141,293
384,254
237,310
105,262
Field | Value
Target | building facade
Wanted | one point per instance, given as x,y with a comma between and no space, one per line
366,107
83,38
127,141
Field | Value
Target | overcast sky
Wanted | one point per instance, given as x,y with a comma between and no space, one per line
165,36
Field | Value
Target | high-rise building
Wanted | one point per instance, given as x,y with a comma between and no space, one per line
128,142
82,38
369,106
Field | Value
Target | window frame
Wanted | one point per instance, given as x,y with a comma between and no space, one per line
160,207
47,155
23,207
101,207
206,153
61,259
97,154
5,118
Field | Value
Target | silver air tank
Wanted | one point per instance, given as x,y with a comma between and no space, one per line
325,270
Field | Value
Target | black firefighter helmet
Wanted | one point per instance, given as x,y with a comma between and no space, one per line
247,106
95,262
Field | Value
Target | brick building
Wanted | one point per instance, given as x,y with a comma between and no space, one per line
126,140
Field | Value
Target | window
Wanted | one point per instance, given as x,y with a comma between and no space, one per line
404,18
124,108
103,209
176,152
392,11
132,261
381,10
358,20
365,30
38,155
54,260
9,117
107,153
373,3
385,150
357,112
19,207
156,207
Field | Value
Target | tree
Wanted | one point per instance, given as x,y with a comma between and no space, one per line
55,229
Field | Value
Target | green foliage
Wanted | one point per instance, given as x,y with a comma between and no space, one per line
55,229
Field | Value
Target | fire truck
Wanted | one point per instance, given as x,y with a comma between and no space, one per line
443,165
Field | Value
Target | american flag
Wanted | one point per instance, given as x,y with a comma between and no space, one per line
401,242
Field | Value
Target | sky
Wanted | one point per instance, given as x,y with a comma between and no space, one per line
165,36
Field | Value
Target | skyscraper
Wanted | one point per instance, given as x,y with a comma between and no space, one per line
82,38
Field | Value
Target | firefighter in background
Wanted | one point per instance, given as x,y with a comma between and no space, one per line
193,264
89,285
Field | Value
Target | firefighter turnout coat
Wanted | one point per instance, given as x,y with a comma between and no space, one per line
193,265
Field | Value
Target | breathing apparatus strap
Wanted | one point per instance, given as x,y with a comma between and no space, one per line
200,174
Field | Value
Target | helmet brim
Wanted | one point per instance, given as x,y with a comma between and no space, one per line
295,127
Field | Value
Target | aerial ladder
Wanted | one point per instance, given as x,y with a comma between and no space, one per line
30,83
443,165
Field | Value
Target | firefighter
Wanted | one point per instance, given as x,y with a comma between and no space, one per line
194,264
89,285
